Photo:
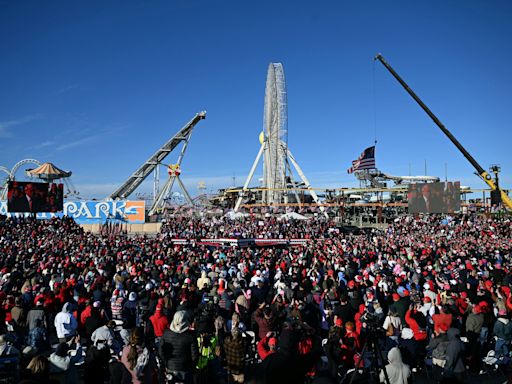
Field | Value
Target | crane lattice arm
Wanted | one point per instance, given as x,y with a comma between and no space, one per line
147,167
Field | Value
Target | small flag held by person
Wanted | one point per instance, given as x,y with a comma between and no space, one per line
365,161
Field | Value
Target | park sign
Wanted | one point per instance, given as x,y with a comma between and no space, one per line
93,212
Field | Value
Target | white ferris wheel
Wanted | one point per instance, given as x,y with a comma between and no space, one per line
277,157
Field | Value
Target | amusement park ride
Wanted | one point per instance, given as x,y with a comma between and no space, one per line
152,164
279,187
47,172
278,182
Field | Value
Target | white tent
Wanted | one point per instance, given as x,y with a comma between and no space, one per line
293,215
236,215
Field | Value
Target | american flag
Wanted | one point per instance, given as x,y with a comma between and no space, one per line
365,161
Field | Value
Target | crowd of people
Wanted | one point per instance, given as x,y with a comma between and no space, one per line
432,294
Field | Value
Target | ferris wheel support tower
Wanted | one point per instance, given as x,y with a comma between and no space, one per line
277,157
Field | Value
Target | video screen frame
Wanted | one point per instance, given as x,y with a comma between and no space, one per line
440,197
33,197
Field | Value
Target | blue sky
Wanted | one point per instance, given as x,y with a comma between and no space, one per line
96,87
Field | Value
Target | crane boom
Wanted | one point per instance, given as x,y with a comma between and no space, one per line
147,167
484,175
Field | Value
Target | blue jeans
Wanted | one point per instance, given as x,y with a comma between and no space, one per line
501,347
484,332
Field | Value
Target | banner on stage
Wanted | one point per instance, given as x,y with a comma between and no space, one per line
93,212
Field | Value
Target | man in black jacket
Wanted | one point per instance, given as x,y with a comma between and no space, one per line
178,348
454,367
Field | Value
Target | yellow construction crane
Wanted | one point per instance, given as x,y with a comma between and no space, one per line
484,175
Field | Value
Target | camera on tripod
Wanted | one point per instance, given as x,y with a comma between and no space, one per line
373,325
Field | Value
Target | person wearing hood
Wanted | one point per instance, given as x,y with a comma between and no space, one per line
178,347
203,282
65,324
454,366
159,322
397,371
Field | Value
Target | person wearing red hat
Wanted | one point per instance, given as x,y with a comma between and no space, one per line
267,346
417,322
358,316
401,304
438,344
116,305
474,323
350,344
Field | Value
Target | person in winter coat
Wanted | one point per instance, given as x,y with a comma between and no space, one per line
62,362
408,348
444,317
503,332
234,351
265,319
437,347
203,281
130,311
392,324
65,324
267,346
277,366
94,321
397,371
36,314
37,338
417,322
97,363
160,323
137,359
19,316
454,366
116,305
105,335
178,347
474,323
401,304
37,372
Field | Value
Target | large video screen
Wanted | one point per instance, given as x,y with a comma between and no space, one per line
434,197
34,197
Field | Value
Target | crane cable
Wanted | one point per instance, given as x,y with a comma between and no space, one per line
374,89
